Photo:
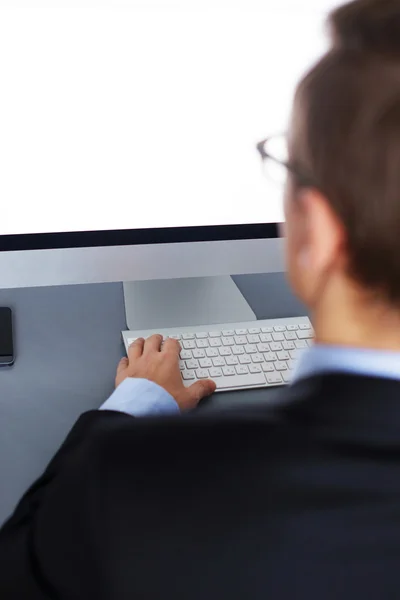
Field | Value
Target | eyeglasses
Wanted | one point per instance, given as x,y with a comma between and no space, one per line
274,154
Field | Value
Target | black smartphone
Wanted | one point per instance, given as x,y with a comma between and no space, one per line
6,338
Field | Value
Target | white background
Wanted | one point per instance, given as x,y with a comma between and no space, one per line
142,114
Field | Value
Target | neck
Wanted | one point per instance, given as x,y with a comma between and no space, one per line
353,318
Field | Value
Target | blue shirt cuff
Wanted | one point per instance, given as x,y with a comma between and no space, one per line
141,398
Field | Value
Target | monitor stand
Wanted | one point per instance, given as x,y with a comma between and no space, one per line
183,302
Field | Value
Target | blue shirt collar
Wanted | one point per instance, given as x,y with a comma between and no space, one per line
321,359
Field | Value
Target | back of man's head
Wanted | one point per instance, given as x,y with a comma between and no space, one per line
349,138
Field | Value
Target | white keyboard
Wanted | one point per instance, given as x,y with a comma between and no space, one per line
238,355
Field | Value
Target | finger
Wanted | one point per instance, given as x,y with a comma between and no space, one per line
171,346
136,349
200,390
153,344
122,365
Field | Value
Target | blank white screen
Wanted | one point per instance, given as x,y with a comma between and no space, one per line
125,115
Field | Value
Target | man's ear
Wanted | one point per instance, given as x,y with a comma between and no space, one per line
325,233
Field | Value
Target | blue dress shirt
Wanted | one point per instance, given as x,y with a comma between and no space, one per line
321,359
139,397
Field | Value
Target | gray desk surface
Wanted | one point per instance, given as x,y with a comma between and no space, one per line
67,346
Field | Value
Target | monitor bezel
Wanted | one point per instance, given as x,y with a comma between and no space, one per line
137,237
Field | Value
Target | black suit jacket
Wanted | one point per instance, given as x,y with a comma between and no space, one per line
299,503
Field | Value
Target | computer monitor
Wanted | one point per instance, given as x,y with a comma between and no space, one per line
128,136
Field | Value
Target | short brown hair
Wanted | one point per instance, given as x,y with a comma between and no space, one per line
349,137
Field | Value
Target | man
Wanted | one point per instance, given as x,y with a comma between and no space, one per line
302,502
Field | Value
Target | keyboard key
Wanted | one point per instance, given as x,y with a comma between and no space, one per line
304,326
225,351
288,345
280,328
254,330
199,354
270,357
300,344
283,355
245,360
182,365
192,364
186,354
215,372
189,344
265,338
237,350
232,360
275,346
188,375
215,342
267,329
291,364
278,337
211,352
280,366
263,347
310,342
214,334
218,362
206,363
175,337
268,367
250,349
295,354
188,336
228,332
202,374
229,371
257,358
201,335
241,331
253,339
241,381
291,335
242,369
255,369
286,376
305,335
274,378
202,343
240,340
228,341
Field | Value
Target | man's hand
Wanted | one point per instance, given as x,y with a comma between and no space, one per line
147,360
